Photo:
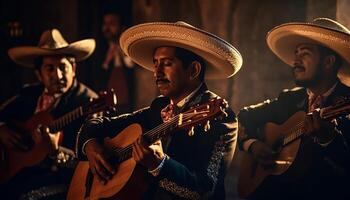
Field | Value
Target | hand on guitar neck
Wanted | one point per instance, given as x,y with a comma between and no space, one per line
322,131
148,155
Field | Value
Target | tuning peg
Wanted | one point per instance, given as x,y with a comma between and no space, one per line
207,126
191,131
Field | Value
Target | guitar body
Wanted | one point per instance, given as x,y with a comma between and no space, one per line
287,165
12,161
124,183
15,160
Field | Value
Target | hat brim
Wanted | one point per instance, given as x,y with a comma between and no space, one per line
284,39
26,55
140,42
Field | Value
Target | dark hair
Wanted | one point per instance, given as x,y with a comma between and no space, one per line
39,61
121,9
187,57
325,51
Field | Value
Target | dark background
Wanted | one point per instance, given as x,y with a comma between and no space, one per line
244,23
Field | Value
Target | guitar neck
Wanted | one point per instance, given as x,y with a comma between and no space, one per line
151,136
327,113
186,120
66,119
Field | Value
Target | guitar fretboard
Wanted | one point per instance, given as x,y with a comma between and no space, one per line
294,133
151,136
327,113
66,119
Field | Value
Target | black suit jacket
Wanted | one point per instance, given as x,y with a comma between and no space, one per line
197,164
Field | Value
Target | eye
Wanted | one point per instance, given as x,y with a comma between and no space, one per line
305,54
49,68
63,67
167,63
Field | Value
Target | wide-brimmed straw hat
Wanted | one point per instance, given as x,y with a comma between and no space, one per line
139,43
52,43
284,39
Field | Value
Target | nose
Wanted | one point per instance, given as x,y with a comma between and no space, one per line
158,70
296,61
59,73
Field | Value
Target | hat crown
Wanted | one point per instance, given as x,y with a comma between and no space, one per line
331,24
52,39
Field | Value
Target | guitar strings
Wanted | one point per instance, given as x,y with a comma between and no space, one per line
124,152
294,132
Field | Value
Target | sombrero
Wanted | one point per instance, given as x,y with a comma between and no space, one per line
139,43
283,40
51,43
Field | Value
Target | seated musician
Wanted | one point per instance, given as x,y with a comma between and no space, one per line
317,53
58,92
189,165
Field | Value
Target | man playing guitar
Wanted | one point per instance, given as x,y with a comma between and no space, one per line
57,93
186,164
317,53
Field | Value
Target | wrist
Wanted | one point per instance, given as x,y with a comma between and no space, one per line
155,171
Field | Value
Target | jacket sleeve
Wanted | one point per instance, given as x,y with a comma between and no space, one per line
336,154
254,117
213,157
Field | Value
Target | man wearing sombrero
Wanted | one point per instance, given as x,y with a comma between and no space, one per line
186,164
58,92
318,53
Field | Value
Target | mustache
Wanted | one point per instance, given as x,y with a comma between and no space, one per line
59,82
161,79
298,67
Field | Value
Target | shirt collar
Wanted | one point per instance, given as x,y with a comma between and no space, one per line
56,95
181,103
326,94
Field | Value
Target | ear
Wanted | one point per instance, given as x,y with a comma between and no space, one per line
74,66
195,69
329,61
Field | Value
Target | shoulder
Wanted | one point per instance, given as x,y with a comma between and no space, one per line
286,96
342,89
83,90
293,92
32,88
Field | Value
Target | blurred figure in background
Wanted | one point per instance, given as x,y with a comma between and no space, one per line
114,69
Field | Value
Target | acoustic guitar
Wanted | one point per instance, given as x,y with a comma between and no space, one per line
292,152
127,182
14,160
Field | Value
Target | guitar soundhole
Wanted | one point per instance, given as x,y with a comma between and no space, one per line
27,140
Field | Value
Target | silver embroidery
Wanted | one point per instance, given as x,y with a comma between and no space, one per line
178,190
214,164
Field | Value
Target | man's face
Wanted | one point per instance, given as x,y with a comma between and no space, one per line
171,76
57,74
307,66
111,26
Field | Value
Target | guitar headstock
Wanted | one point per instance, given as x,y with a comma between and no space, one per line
201,114
107,100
